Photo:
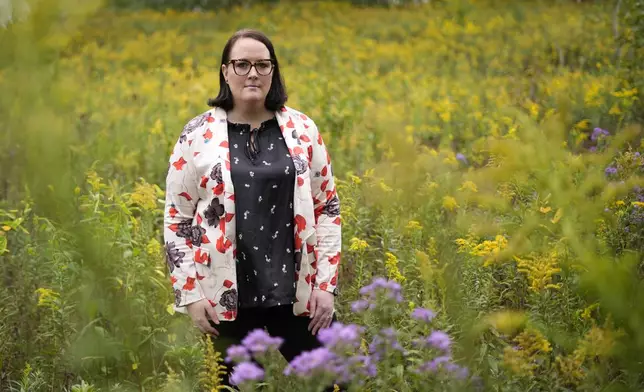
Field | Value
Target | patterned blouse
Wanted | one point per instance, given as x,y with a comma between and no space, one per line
263,172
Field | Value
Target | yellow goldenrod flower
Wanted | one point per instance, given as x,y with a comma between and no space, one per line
468,185
449,203
358,245
391,264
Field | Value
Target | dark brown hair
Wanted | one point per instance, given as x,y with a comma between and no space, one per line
276,97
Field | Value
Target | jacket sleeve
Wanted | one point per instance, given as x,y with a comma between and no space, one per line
181,198
327,214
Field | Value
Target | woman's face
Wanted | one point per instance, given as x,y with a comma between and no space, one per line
249,84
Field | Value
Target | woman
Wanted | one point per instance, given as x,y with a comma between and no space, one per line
252,218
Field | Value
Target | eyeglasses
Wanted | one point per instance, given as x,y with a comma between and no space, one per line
243,67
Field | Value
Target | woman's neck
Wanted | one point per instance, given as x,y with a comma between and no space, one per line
253,116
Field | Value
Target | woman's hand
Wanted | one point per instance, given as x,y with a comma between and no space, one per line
321,310
199,312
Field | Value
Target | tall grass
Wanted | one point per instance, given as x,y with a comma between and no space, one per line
487,160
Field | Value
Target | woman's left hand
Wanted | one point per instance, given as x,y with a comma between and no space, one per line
321,310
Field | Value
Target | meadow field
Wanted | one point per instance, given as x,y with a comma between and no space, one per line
489,169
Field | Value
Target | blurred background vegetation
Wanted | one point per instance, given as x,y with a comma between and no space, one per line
488,156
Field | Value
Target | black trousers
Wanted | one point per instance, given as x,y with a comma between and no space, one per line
279,321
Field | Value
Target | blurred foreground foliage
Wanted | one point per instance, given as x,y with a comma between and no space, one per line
488,157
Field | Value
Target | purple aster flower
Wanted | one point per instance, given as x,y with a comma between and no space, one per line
361,305
390,287
610,170
245,372
338,335
383,342
237,353
440,340
432,366
423,314
459,371
597,133
461,158
258,341
311,363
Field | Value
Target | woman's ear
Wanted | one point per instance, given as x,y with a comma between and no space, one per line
223,71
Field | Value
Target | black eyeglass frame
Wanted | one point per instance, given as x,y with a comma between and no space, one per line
252,64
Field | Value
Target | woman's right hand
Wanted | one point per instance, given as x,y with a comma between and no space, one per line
199,312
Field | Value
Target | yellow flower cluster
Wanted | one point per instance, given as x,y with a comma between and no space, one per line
391,264
523,359
540,270
490,250
48,298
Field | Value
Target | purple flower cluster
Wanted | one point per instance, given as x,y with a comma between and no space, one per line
610,170
443,362
390,288
461,158
339,336
385,342
422,314
258,342
312,363
598,133
237,353
439,340
246,372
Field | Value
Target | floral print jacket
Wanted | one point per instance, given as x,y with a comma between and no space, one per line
199,219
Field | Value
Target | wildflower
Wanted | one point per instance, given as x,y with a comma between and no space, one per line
468,185
358,245
598,133
237,353
310,363
391,288
258,341
413,225
440,340
384,342
422,314
432,366
449,203
391,264
339,335
610,170
246,372
461,158
361,305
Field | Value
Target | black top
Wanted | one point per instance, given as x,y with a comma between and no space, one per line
263,176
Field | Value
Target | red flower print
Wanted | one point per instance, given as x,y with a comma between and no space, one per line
200,277
229,217
310,152
324,171
190,284
324,286
207,135
179,163
290,123
202,257
173,279
186,195
210,118
337,221
334,280
173,211
204,181
303,116
297,150
305,138
308,278
218,190
300,181
213,304
229,314
320,139
324,184
228,284
300,223
334,259
223,144
223,245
